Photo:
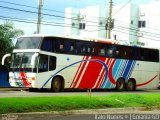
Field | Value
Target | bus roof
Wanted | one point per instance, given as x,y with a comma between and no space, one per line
77,37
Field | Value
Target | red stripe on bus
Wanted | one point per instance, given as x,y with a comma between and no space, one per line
82,68
24,79
92,72
142,84
99,81
76,73
112,80
102,75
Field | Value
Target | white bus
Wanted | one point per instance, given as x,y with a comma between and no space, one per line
59,62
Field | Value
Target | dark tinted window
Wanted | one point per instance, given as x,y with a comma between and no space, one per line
136,53
154,55
43,63
111,51
60,45
48,44
145,54
52,63
98,49
46,63
69,46
82,48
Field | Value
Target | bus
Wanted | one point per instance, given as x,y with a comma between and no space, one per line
60,62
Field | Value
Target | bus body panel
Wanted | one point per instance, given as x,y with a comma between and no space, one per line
88,72
85,75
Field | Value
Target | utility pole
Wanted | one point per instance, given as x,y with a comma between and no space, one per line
109,20
39,22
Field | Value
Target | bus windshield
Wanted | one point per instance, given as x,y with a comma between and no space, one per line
28,43
21,61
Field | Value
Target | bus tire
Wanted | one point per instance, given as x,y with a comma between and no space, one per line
131,85
56,85
120,84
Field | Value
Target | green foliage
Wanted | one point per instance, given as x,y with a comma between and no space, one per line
61,103
7,33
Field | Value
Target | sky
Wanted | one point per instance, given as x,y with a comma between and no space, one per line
23,13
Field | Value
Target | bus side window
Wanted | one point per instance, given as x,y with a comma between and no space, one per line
52,63
47,44
122,52
43,63
154,56
128,52
69,47
95,50
136,53
60,45
102,51
142,54
78,48
146,55
111,51
157,56
82,48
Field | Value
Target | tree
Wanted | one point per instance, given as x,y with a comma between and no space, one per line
7,33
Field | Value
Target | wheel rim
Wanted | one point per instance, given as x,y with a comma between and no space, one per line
130,85
57,85
120,85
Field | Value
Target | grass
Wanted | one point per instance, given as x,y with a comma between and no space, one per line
61,103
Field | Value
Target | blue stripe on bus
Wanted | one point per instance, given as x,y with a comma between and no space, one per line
107,83
114,71
117,67
132,67
124,67
127,69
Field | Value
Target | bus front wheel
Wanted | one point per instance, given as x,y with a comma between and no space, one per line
131,85
56,84
120,84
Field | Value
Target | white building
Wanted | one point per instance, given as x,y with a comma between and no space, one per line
125,22
88,22
132,24
149,24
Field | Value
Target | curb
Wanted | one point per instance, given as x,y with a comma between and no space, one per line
90,111
12,89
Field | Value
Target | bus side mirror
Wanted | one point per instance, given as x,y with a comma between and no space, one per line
33,59
4,58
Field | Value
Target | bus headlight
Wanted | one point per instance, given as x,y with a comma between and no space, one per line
31,78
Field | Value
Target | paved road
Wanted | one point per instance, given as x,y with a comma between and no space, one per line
129,115
24,93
